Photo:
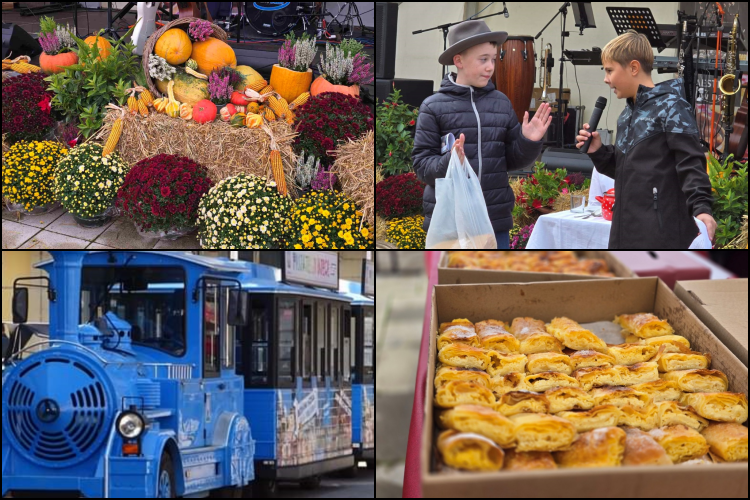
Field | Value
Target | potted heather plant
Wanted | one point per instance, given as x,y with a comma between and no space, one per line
343,69
292,76
57,44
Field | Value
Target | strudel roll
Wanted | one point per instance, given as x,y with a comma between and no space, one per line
469,451
456,322
524,326
644,325
574,336
646,418
672,343
548,362
446,374
511,382
660,390
589,358
637,373
680,442
727,440
596,376
464,356
641,449
536,342
461,392
568,398
458,335
540,432
670,413
494,335
698,380
630,354
603,447
673,361
480,420
620,396
598,416
720,406
540,382
503,364
528,460
522,402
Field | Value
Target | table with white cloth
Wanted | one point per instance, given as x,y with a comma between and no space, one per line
561,230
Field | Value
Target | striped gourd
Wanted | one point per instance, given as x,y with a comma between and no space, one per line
114,135
278,172
299,101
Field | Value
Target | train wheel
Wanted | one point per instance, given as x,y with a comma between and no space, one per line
166,484
265,488
310,483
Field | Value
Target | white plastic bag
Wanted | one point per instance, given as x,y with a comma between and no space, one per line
460,218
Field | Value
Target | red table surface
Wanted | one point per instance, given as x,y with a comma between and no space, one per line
412,468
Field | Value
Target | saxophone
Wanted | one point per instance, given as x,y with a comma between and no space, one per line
726,84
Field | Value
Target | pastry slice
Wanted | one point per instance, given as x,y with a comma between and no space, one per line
596,417
574,336
603,447
660,390
690,360
464,356
620,396
548,362
480,420
522,402
568,398
524,326
672,343
720,406
727,440
670,412
469,451
540,382
596,376
528,460
494,335
642,418
446,374
642,449
644,325
680,442
637,373
539,432
503,364
630,354
460,392
698,380
536,342
589,358
511,382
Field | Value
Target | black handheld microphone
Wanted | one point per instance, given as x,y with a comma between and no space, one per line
505,9
601,103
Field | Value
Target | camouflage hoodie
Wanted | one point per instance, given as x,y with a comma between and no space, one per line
659,169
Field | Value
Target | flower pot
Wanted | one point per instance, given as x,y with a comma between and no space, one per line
545,210
58,62
40,210
95,221
321,85
289,83
169,235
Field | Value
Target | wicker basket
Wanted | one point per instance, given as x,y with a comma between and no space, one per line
151,43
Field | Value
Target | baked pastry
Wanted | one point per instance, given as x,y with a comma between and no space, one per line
522,402
494,335
503,364
540,382
528,460
531,343
727,440
673,361
620,396
598,416
480,420
568,398
526,325
641,449
630,354
458,334
548,362
637,373
464,356
660,390
574,336
446,374
590,358
461,392
642,418
458,321
720,406
511,382
540,432
672,343
698,380
603,447
594,376
670,412
469,451
680,442
644,325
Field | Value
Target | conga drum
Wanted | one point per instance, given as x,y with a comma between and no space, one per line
515,72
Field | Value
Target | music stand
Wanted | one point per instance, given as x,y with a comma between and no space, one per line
638,19
111,31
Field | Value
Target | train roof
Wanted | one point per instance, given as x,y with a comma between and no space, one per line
354,291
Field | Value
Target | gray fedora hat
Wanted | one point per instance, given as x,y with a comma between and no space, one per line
467,34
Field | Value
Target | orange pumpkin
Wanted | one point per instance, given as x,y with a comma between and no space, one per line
102,43
320,85
174,46
57,63
213,54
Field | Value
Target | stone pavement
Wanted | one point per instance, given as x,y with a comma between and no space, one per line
400,312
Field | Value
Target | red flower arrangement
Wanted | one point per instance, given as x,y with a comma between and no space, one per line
328,118
399,196
162,192
26,111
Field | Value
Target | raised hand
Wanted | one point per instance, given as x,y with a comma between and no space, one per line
534,130
459,147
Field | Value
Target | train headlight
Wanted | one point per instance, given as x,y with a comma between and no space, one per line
131,425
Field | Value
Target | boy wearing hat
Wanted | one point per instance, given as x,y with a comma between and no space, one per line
483,122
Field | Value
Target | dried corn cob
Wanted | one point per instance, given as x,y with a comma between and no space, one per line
278,172
114,135
299,101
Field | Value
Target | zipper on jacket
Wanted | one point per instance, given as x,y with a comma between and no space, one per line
658,214
479,133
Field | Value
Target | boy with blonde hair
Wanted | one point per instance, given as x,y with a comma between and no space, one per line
657,162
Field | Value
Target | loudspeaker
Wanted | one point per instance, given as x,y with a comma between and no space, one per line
413,92
570,159
18,42
386,19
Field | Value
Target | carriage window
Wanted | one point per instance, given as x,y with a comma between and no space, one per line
368,344
346,364
334,348
261,325
212,319
287,333
355,336
227,359
307,350
320,351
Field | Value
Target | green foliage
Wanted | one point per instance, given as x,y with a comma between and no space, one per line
83,90
47,24
729,187
350,47
393,143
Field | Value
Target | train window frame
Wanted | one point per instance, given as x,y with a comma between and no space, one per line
368,371
284,380
321,320
257,337
307,339
346,348
220,326
334,337
230,334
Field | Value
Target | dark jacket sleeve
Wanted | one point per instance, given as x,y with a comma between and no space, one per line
427,161
520,152
604,160
690,162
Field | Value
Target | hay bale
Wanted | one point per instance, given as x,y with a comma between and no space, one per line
355,168
224,150
562,202
381,226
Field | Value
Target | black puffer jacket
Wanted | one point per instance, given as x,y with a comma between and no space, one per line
493,144
657,155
